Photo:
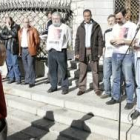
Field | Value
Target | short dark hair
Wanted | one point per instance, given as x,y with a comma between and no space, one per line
122,10
49,12
110,16
10,18
87,10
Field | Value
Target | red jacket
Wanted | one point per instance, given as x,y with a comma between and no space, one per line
3,110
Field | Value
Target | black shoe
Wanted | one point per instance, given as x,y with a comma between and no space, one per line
65,91
112,101
18,82
48,81
80,93
59,83
135,115
24,83
128,106
11,81
51,90
31,85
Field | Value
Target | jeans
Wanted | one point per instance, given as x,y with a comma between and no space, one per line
29,66
127,71
107,73
56,60
137,77
12,66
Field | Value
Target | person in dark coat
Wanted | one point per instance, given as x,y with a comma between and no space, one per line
88,49
10,37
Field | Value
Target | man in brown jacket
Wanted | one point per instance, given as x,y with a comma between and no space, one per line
88,49
28,45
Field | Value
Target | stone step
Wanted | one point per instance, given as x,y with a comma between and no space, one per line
19,120
53,136
98,125
20,123
23,104
66,131
88,102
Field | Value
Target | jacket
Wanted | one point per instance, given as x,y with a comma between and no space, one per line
96,42
33,40
10,38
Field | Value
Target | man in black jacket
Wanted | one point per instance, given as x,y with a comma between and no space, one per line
10,37
49,22
88,49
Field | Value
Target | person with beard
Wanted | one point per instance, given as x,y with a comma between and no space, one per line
122,35
59,37
3,110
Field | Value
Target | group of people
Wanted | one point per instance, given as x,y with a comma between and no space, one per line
22,42
90,45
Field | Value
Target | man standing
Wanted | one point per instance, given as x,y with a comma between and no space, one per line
10,36
28,45
123,33
88,49
107,55
3,110
49,22
136,113
59,37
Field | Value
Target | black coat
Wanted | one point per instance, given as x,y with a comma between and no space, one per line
96,42
47,27
11,43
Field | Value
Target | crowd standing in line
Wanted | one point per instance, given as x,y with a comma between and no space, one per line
90,45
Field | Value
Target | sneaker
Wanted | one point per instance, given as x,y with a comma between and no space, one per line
50,90
135,115
112,101
104,95
128,106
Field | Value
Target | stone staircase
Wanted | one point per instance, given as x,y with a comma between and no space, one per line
38,115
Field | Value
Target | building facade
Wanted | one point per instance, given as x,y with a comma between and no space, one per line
72,11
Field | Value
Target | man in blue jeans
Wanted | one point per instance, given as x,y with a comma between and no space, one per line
10,36
107,66
123,33
136,113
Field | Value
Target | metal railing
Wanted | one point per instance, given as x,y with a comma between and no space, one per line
35,10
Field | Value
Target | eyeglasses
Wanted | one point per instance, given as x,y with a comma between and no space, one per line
118,18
